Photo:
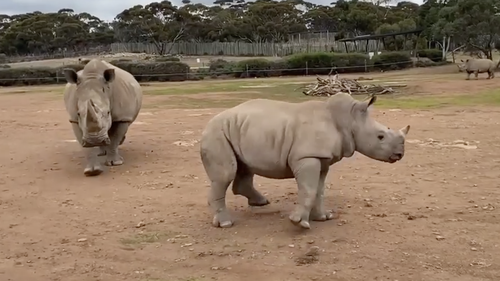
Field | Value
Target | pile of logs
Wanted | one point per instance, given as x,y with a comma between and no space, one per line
334,85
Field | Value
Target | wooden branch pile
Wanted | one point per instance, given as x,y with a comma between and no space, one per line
334,85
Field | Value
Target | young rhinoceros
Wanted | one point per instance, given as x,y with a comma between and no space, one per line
281,140
477,66
102,101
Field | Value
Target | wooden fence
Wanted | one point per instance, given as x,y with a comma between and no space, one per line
267,49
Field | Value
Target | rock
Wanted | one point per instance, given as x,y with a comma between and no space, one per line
82,240
439,238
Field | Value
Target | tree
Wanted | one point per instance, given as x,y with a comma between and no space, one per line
475,24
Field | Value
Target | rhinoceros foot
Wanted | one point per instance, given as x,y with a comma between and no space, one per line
222,220
299,218
258,201
94,170
114,159
321,216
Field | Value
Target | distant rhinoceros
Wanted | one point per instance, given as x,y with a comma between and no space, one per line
281,140
477,66
102,101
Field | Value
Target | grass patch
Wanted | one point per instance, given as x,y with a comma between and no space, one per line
220,100
145,238
189,88
488,98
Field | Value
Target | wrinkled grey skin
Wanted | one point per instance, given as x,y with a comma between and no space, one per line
281,140
477,66
102,101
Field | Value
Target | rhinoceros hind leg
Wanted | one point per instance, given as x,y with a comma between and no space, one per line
116,136
243,185
220,165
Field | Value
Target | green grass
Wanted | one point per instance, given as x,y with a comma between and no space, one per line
227,94
487,98
145,238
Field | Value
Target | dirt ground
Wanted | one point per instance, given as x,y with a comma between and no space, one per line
432,216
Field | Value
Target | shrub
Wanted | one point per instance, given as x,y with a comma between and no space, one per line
167,58
3,58
322,63
392,61
221,67
27,76
425,63
433,54
156,71
253,68
142,71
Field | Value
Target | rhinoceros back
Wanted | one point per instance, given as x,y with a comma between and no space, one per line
126,95
481,65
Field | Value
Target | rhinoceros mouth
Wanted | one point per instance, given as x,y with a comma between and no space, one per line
395,158
92,143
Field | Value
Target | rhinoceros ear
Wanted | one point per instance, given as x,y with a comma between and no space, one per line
70,75
405,130
368,102
109,75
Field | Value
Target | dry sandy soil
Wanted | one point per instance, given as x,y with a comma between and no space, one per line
432,216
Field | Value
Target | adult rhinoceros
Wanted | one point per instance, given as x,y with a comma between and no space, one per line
102,101
477,66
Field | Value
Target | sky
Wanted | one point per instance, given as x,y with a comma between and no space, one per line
105,10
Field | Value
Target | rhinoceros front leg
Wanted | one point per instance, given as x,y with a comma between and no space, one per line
307,174
318,212
116,135
243,185
93,166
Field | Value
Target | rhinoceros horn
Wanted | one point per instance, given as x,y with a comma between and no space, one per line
92,118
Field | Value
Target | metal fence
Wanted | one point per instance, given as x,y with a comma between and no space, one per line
268,49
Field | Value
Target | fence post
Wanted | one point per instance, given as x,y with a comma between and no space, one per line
307,68
366,66
248,75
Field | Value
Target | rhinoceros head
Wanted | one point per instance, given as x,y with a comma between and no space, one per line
93,105
373,139
462,65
